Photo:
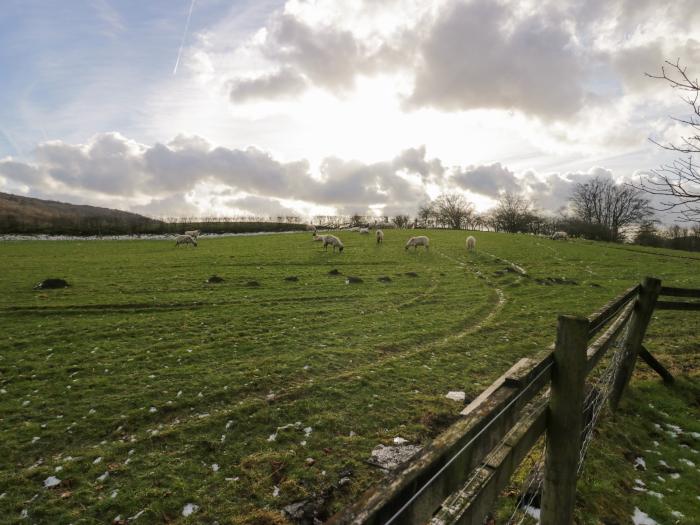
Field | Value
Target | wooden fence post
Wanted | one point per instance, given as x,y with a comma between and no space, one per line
565,421
637,327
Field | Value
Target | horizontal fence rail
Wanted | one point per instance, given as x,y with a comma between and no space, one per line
458,476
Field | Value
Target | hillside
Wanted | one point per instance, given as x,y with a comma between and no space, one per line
29,215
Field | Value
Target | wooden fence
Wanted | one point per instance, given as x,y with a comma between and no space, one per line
458,476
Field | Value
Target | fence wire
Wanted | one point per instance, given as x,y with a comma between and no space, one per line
598,392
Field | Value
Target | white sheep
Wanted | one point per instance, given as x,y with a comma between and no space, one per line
185,239
471,243
421,240
364,230
380,236
560,235
333,241
194,233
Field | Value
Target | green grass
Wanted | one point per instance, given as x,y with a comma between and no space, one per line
224,365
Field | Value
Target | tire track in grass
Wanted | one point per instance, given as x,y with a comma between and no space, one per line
192,421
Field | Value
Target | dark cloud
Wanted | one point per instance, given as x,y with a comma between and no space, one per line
489,180
478,55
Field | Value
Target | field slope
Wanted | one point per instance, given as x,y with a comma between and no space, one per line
144,389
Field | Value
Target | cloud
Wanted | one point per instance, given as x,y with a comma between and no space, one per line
260,206
490,180
163,179
282,83
479,55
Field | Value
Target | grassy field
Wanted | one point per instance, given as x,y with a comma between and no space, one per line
144,389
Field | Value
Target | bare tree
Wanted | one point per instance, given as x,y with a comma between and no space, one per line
601,202
513,213
678,183
401,221
453,210
427,215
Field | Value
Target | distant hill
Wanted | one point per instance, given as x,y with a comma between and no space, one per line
29,215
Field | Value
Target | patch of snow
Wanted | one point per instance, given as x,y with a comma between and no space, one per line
307,431
103,477
215,467
456,396
179,393
675,475
189,509
400,441
51,481
153,410
391,457
92,411
232,479
663,463
641,518
35,439
677,514
58,469
655,494
24,404
533,512
97,460
687,462
228,424
272,437
223,437
114,494
639,463
276,492
136,516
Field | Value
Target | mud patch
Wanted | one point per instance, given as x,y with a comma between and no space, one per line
51,284
215,279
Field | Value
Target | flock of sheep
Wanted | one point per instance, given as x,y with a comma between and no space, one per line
190,237
421,240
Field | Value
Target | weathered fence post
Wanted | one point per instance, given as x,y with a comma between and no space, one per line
565,421
637,327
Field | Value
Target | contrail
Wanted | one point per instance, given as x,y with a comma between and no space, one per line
184,35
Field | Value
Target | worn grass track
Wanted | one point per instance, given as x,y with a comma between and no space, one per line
160,375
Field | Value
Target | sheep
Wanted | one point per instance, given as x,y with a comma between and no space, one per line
333,241
560,235
421,240
364,230
185,239
194,233
380,236
471,243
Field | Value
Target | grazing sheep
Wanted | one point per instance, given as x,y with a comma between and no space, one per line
471,243
333,241
380,236
560,235
185,239
194,233
364,230
421,240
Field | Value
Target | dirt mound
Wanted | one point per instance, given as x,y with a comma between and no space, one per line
51,284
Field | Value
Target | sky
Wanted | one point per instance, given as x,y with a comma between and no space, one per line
305,107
